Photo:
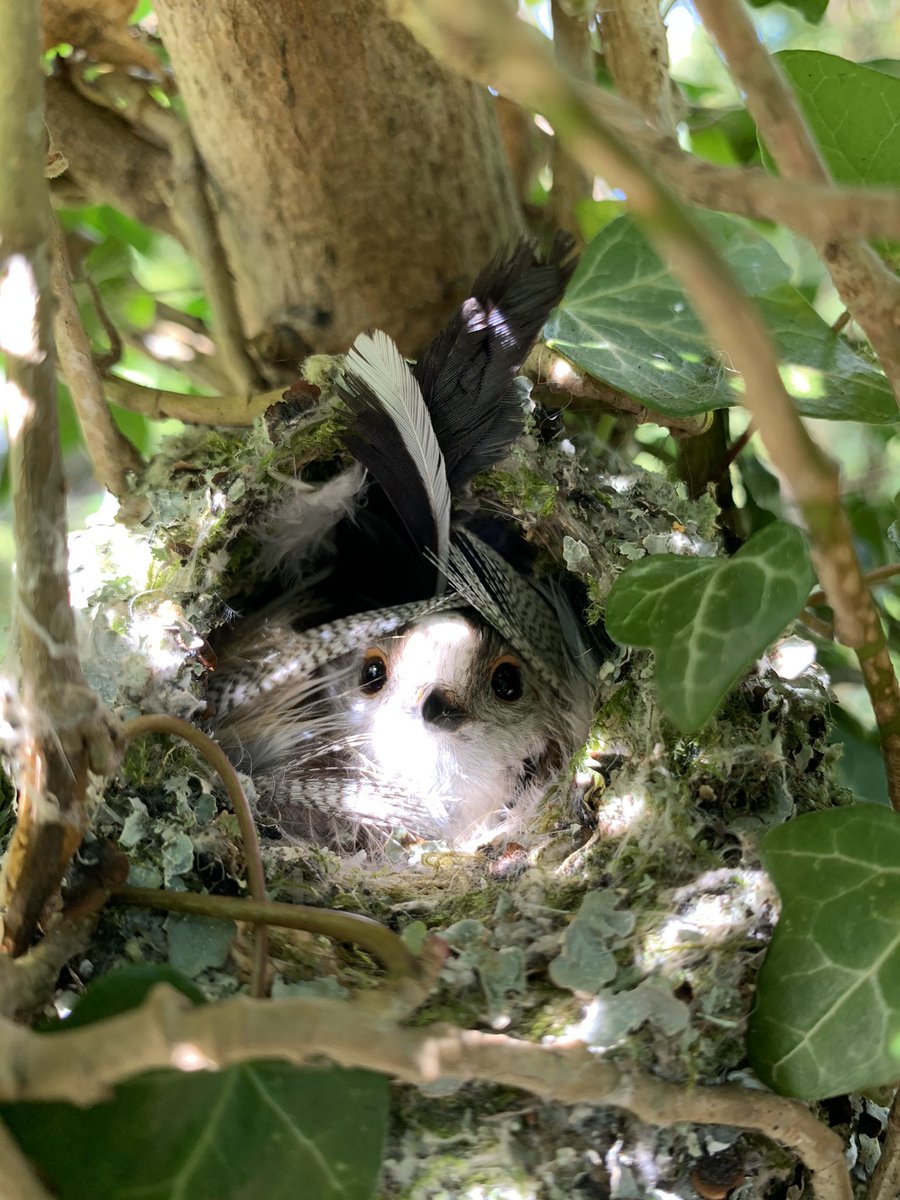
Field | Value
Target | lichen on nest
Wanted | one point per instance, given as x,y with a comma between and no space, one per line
639,931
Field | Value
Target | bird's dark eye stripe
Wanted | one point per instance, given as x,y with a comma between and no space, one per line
506,681
373,675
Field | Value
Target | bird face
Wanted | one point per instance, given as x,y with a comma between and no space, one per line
447,712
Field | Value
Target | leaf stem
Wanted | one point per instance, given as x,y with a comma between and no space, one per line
216,757
397,959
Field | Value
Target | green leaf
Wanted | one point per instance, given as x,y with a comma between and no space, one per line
626,321
708,619
123,989
250,1130
812,10
852,112
258,1129
827,1015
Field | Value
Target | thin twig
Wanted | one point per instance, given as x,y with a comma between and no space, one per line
219,761
869,289
397,959
480,38
28,982
114,460
819,212
841,323
237,410
83,1064
822,629
876,575
737,446
549,369
193,215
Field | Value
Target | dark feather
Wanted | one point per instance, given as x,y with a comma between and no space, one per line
467,374
391,434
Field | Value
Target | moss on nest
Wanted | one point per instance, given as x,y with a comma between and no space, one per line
677,819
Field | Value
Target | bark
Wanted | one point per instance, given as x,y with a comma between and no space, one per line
355,182
59,729
108,162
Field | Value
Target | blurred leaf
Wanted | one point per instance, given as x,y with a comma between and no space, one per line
123,989
708,619
890,66
812,10
138,429
827,1014
626,321
593,215
258,1129
142,10
861,765
852,112
728,137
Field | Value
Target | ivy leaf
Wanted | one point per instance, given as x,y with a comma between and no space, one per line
626,321
708,619
254,1129
852,112
251,1130
827,1015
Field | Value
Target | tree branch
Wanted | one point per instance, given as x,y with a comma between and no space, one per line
481,39
637,54
867,287
236,410
62,732
194,217
82,1065
107,161
113,458
583,393
571,183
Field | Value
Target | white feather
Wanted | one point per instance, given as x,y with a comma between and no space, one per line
375,360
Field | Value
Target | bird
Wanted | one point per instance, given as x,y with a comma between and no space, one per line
417,677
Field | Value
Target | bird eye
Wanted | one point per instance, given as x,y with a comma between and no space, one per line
506,679
373,675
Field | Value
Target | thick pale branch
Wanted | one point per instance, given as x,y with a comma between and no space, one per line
193,410
484,41
62,732
637,54
82,1065
816,210
867,287
571,183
